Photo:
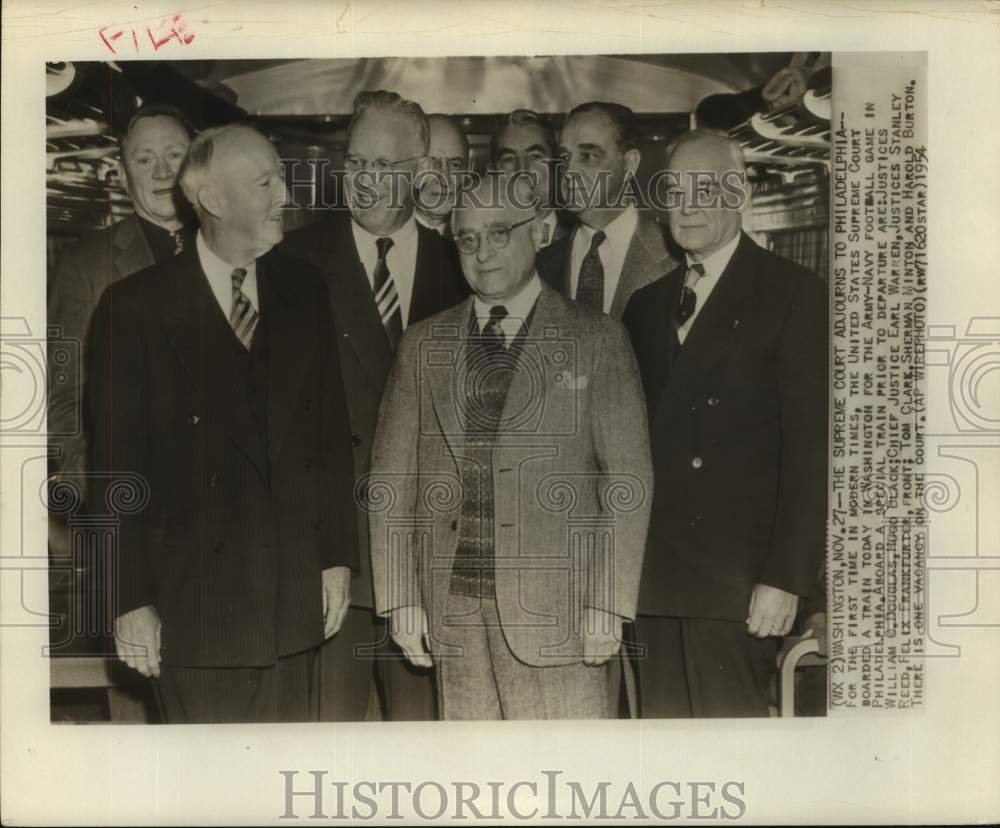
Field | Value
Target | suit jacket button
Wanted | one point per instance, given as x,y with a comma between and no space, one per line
318,525
696,463
454,526
213,480
194,419
309,463
355,440
220,547
713,401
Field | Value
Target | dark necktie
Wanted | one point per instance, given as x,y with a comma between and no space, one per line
493,337
243,317
386,297
689,299
590,287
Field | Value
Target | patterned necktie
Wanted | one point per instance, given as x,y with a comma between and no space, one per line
178,239
689,299
243,317
386,297
590,287
493,336
546,233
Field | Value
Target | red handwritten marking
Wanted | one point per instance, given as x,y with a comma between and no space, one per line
175,29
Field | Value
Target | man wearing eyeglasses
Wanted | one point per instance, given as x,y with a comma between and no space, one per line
439,183
508,504
384,273
617,248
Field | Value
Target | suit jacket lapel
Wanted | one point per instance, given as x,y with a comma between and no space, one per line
426,278
203,340
442,371
132,252
289,346
645,261
354,309
710,336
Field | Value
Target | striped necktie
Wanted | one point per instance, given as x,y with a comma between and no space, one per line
386,296
590,287
243,317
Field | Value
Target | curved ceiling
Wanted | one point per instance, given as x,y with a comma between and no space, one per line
489,85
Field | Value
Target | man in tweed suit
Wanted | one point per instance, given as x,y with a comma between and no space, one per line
508,506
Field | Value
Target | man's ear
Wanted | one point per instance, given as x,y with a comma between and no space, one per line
209,199
632,159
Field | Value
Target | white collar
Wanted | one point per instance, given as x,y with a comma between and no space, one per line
716,263
517,307
620,229
404,234
220,276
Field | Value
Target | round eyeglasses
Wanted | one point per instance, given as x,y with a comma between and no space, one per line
468,241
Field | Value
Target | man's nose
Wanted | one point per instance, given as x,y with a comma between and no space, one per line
485,249
162,170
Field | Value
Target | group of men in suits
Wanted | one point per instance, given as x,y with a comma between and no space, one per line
450,429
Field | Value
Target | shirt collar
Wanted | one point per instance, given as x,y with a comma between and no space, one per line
619,231
715,264
518,307
404,234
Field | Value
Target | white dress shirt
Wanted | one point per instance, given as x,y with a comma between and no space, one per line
401,259
518,309
549,224
220,277
612,251
714,266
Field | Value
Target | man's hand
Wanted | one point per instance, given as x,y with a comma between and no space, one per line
408,626
336,598
815,627
137,639
772,611
602,636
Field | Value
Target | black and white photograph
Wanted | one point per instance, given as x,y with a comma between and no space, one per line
456,388
469,411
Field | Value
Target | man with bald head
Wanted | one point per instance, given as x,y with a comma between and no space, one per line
448,159
218,407
732,346
508,507
384,272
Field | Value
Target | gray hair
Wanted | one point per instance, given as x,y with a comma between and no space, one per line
394,104
198,161
720,139
522,118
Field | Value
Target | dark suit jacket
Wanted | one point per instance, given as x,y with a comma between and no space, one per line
241,517
84,270
739,436
365,352
646,261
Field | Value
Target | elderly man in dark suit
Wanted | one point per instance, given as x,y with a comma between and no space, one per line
616,248
215,379
732,347
509,506
152,149
384,272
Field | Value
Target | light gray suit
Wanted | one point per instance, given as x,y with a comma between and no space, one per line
571,477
